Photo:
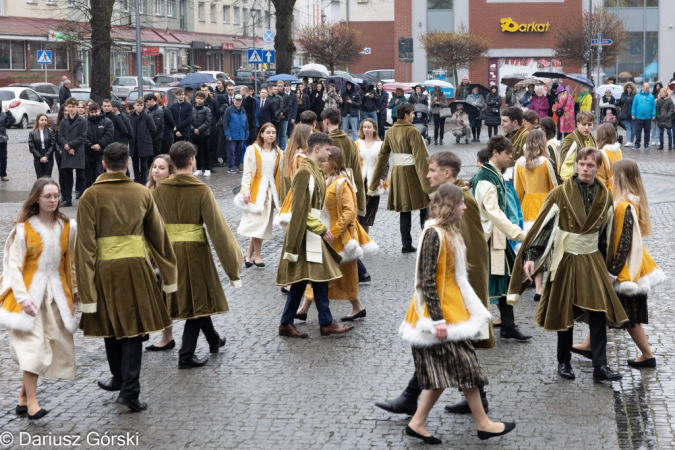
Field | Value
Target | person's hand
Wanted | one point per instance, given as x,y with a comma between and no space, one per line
633,117
196,131
29,307
178,134
229,139
71,152
528,268
328,237
349,100
381,184
96,147
282,115
5,108
44,160
441,331
396,102
66,147
293,121
247,198
653,118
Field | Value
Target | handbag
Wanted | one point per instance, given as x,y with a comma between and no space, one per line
444,112
3,138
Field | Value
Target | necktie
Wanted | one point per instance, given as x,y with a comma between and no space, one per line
230,100
263,104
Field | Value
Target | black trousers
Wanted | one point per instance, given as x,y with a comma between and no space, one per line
43,169
166,146
156,147
506,313
124,358
213,148
203,155
252,135
361,267
598,325
439,124
640,125
141,164
191,334
405,225
381,121
93,167
67,185
492,130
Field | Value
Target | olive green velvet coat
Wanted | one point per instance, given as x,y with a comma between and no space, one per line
409,188
121,297
353,163
293,265
581,281
183,199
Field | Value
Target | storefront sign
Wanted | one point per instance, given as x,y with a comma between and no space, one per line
508,25
150,51
225,46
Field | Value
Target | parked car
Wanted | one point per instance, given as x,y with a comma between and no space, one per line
84,94
216,75
24,103
47,91
384,75
248,78
121,86
168,94
168,80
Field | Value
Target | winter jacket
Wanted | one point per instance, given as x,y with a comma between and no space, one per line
540,106
235,123
157,114
353,107
442,103
169,125
144,129
527,98
644,106
317,102
604,101
306,104
332,100
7,119
120,132
463,91
492,113
369,104
281,106
182,116
267,111
201,120
64,94
100,130
626,101
252,107
213,105
393,105
665,112
585,101
478,99
416,98
74,133
382,102
35,143
127,123
292,105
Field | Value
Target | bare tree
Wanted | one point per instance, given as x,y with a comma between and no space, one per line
283,41
331,44
573,38
455,50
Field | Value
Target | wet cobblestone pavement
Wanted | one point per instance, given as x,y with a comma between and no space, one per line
264,391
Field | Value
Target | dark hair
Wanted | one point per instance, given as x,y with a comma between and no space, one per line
287,83
308,118
181,152
116,156
332,114
189,89
31,207
531,116
404,109
200,94
499,144
203,85
72,101
229,84
592,152
547,125
94,107
149,96
318,139
483,155
447,159
514,114
179,91
106,100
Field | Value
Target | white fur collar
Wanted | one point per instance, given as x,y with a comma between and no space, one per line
523,163
612,147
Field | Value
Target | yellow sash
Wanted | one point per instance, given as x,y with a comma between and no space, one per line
403,159
120,247
186,232
576,244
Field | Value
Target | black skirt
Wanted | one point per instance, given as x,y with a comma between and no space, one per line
372,203
635,306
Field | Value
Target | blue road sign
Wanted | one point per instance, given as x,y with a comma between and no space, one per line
44,56
269,56
605,42
268,36
255,56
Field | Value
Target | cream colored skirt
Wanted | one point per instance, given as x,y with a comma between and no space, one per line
48,349
258,225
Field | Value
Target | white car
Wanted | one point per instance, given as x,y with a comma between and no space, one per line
384,75
216,74
24,103
121,86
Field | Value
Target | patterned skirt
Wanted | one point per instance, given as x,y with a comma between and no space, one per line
451,364
636,309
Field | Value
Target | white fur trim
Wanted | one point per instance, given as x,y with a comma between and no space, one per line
235,283
612,147
644,285
626,287
282,220
370,247
267,181
523,162
351,251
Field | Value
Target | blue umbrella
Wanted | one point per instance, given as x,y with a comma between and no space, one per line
195,80
283,77
580,79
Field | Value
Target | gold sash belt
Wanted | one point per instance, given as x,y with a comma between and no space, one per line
403,159
575,244
186,232
120,247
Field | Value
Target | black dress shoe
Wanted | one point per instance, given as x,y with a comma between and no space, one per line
508,427
66,204
193,362
647,363
248,264
285,291
365,278
359,315
77,196
21,410
408,249
537,297
216,348
169,346
302,316
262,264
585,353
513,333
431,440
463,407
38,415
406,403
146,337
134,405
604,373
109,385
565,370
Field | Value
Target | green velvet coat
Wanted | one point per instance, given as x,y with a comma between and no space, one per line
121,297
293,265
183,199
581,282
409,188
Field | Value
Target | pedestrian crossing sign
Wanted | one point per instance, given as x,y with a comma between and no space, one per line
255,56
44,56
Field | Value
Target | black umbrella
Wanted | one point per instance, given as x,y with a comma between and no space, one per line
512,80
549,73
470,110
482,90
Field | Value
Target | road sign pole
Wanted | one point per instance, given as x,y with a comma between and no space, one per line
597,80
255,68
45,72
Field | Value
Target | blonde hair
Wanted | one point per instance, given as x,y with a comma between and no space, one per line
445,209
535,146
628,185
172,169
297,142
606,135
362,135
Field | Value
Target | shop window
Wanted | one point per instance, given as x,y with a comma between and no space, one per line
12,55
213,13
439,4
638,62
237,15
226,14
200,12
631,3
59,58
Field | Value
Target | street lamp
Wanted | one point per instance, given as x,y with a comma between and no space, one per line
323,17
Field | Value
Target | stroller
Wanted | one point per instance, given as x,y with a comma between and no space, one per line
421,121
615,122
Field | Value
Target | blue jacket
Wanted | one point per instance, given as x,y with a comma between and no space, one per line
644,106
235,123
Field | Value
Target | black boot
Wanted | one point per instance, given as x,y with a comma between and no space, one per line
660,147
463,406
477,134
435,141
441,141
406,403
473,133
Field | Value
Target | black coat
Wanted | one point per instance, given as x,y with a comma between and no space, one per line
213,105
182,116
665,112
306,104
292,105
127,123
317,103
157,114
120,132
369,104
64,94
169,125
267,111
74,133
281,106
7,119
492,114
201,120
35,143
382,102
100,130
353,107
626,103
143,127
250,105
